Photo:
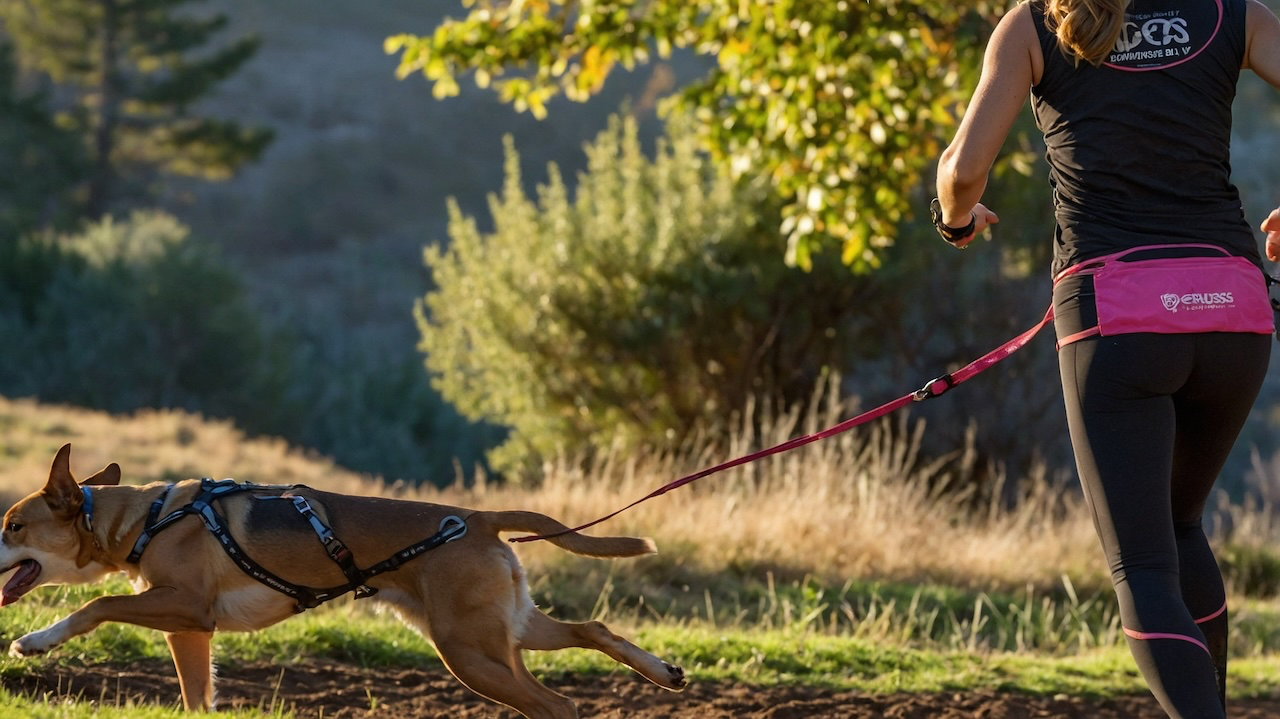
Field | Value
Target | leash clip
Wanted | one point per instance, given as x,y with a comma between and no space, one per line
927,391
452,527
1275,301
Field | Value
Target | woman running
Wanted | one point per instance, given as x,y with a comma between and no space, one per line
1134,100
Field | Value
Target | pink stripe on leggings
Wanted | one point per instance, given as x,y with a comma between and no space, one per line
1158,635
1213,616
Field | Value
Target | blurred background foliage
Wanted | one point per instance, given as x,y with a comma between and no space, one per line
611,275
838,105
126,75
648,305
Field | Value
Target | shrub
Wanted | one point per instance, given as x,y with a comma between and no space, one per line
650,306
132,314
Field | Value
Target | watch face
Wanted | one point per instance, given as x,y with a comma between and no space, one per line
935,211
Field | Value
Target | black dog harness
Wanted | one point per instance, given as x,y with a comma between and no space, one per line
451,528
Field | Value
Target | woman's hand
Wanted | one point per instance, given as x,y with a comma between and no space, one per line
1271,226
984,218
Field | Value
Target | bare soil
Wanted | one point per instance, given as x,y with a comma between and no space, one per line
331,690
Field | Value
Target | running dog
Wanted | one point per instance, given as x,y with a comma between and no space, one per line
209,556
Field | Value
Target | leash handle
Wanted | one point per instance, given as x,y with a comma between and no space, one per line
933,388
1275,301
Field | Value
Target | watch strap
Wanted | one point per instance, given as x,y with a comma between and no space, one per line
948,233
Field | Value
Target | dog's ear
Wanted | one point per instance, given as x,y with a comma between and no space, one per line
61,493
108,476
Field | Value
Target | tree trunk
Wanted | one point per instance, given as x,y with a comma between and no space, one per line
102,179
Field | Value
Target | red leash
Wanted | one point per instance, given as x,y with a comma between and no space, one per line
933,389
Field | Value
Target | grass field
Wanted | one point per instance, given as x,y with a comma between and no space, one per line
833,566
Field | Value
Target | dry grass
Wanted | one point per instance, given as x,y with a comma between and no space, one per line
862,505
827,537
150,446
859,505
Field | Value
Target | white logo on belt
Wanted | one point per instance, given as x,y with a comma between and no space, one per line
1196,300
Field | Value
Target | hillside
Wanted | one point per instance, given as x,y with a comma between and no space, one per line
150,446
334,217
328,228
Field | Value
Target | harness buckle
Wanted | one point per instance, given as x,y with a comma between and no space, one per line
928,392
338,551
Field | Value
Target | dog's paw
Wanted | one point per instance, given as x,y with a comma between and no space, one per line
33,644
19,648
676,679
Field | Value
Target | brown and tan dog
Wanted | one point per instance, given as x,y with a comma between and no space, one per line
468,596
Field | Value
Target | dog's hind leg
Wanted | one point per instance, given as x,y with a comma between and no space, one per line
544,633
492,668
194,663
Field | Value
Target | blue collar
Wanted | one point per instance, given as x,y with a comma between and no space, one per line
87,507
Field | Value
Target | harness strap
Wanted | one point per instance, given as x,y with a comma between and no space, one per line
150,529
335,548
451,528
306,597
209,490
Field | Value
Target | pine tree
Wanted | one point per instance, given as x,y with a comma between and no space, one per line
40,163
130,71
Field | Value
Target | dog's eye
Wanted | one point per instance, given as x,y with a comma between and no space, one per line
12,527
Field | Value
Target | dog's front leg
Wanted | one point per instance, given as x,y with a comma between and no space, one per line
163,608
194,663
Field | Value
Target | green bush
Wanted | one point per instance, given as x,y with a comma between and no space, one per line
132,314
647,307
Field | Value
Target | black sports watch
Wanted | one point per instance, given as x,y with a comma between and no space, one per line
950,234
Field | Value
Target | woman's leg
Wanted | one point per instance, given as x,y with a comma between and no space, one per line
1211,407
1144,469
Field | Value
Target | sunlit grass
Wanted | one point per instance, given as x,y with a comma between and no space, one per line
12,705
902,618
887,638
838,565
871,658
861,506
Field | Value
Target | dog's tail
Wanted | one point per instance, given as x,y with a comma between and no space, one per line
583,544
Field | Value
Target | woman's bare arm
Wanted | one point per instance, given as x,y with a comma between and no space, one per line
1010,66
1262,43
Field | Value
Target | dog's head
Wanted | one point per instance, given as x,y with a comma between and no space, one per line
47,538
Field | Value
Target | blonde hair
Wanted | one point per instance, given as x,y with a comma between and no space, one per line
1086,29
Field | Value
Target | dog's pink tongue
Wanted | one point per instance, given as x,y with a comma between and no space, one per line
20,583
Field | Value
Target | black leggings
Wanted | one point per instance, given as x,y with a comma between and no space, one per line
1152,419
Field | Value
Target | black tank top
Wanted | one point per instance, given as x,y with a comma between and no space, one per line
1139,147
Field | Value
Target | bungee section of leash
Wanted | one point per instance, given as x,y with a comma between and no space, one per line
933,388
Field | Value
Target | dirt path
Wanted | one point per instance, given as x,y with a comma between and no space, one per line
337,691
